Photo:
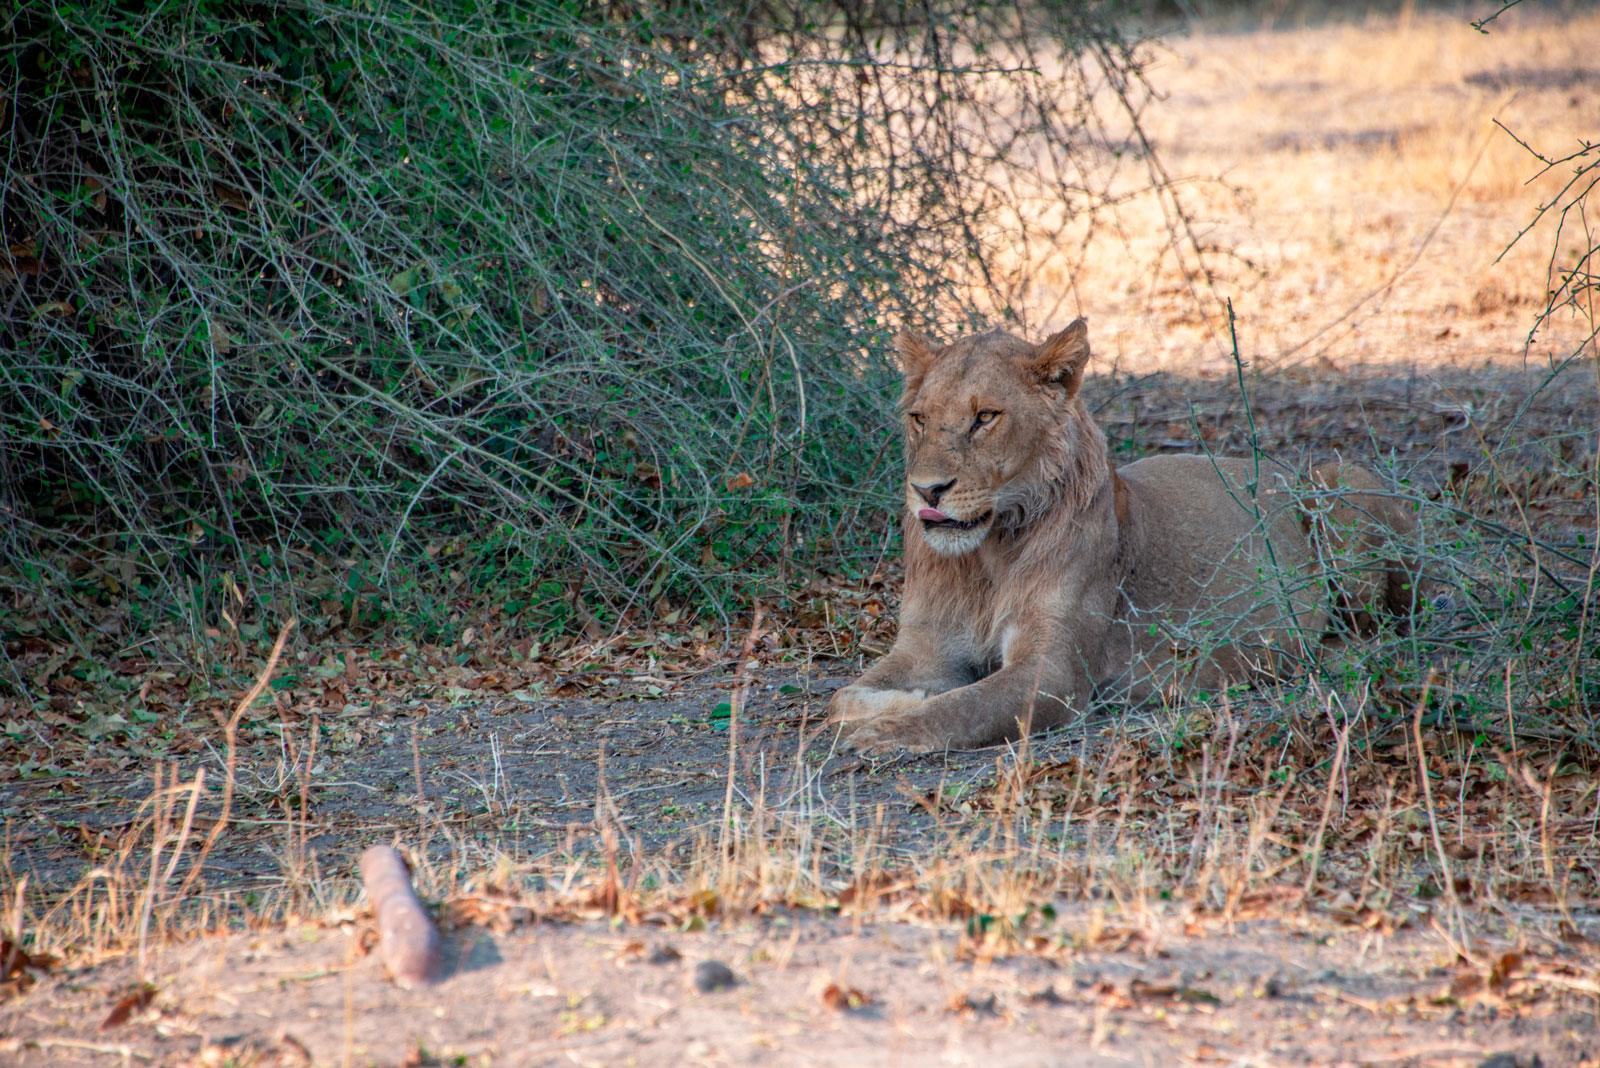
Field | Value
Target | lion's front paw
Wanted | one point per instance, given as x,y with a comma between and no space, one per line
878,721
862,703
887,734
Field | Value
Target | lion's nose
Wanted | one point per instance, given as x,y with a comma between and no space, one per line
932,491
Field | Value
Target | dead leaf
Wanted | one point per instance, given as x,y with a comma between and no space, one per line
17,967
230,196
742,480
21,259
127,1005
13,959
844,998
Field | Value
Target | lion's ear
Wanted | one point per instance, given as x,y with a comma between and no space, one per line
916,355
1061,359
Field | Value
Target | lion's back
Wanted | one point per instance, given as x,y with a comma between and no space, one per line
1208,552
1189,502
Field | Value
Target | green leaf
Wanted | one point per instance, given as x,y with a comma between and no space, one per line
407,280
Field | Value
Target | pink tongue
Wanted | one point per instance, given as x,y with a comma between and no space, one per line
932,515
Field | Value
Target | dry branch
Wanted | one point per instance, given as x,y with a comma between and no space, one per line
232,733
408,941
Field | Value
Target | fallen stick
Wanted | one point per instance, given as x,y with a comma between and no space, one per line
408,941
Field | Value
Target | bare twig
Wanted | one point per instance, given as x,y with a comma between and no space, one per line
232,733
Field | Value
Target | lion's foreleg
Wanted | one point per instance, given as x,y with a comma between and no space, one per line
869,715
1047,676
1016,700
893,691
857,702
919,663
1022,697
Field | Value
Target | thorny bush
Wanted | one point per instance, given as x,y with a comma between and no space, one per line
356,313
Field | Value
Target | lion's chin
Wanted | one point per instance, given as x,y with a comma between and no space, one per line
957,539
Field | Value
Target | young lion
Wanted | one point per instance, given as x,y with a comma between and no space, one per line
1038,575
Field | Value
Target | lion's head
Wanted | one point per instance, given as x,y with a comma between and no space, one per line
995,434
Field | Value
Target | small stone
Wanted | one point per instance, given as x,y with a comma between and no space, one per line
665,954
712,975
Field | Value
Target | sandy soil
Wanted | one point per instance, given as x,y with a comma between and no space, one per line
808,991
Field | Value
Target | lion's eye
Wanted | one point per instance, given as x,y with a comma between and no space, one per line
984,418
916,419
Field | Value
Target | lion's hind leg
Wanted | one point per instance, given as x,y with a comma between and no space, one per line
1355,525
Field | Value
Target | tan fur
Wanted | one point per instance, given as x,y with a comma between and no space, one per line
1045,577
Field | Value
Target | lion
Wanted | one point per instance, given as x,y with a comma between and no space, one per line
1040,577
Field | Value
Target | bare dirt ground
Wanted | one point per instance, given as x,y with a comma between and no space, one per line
1262,993
1231,884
